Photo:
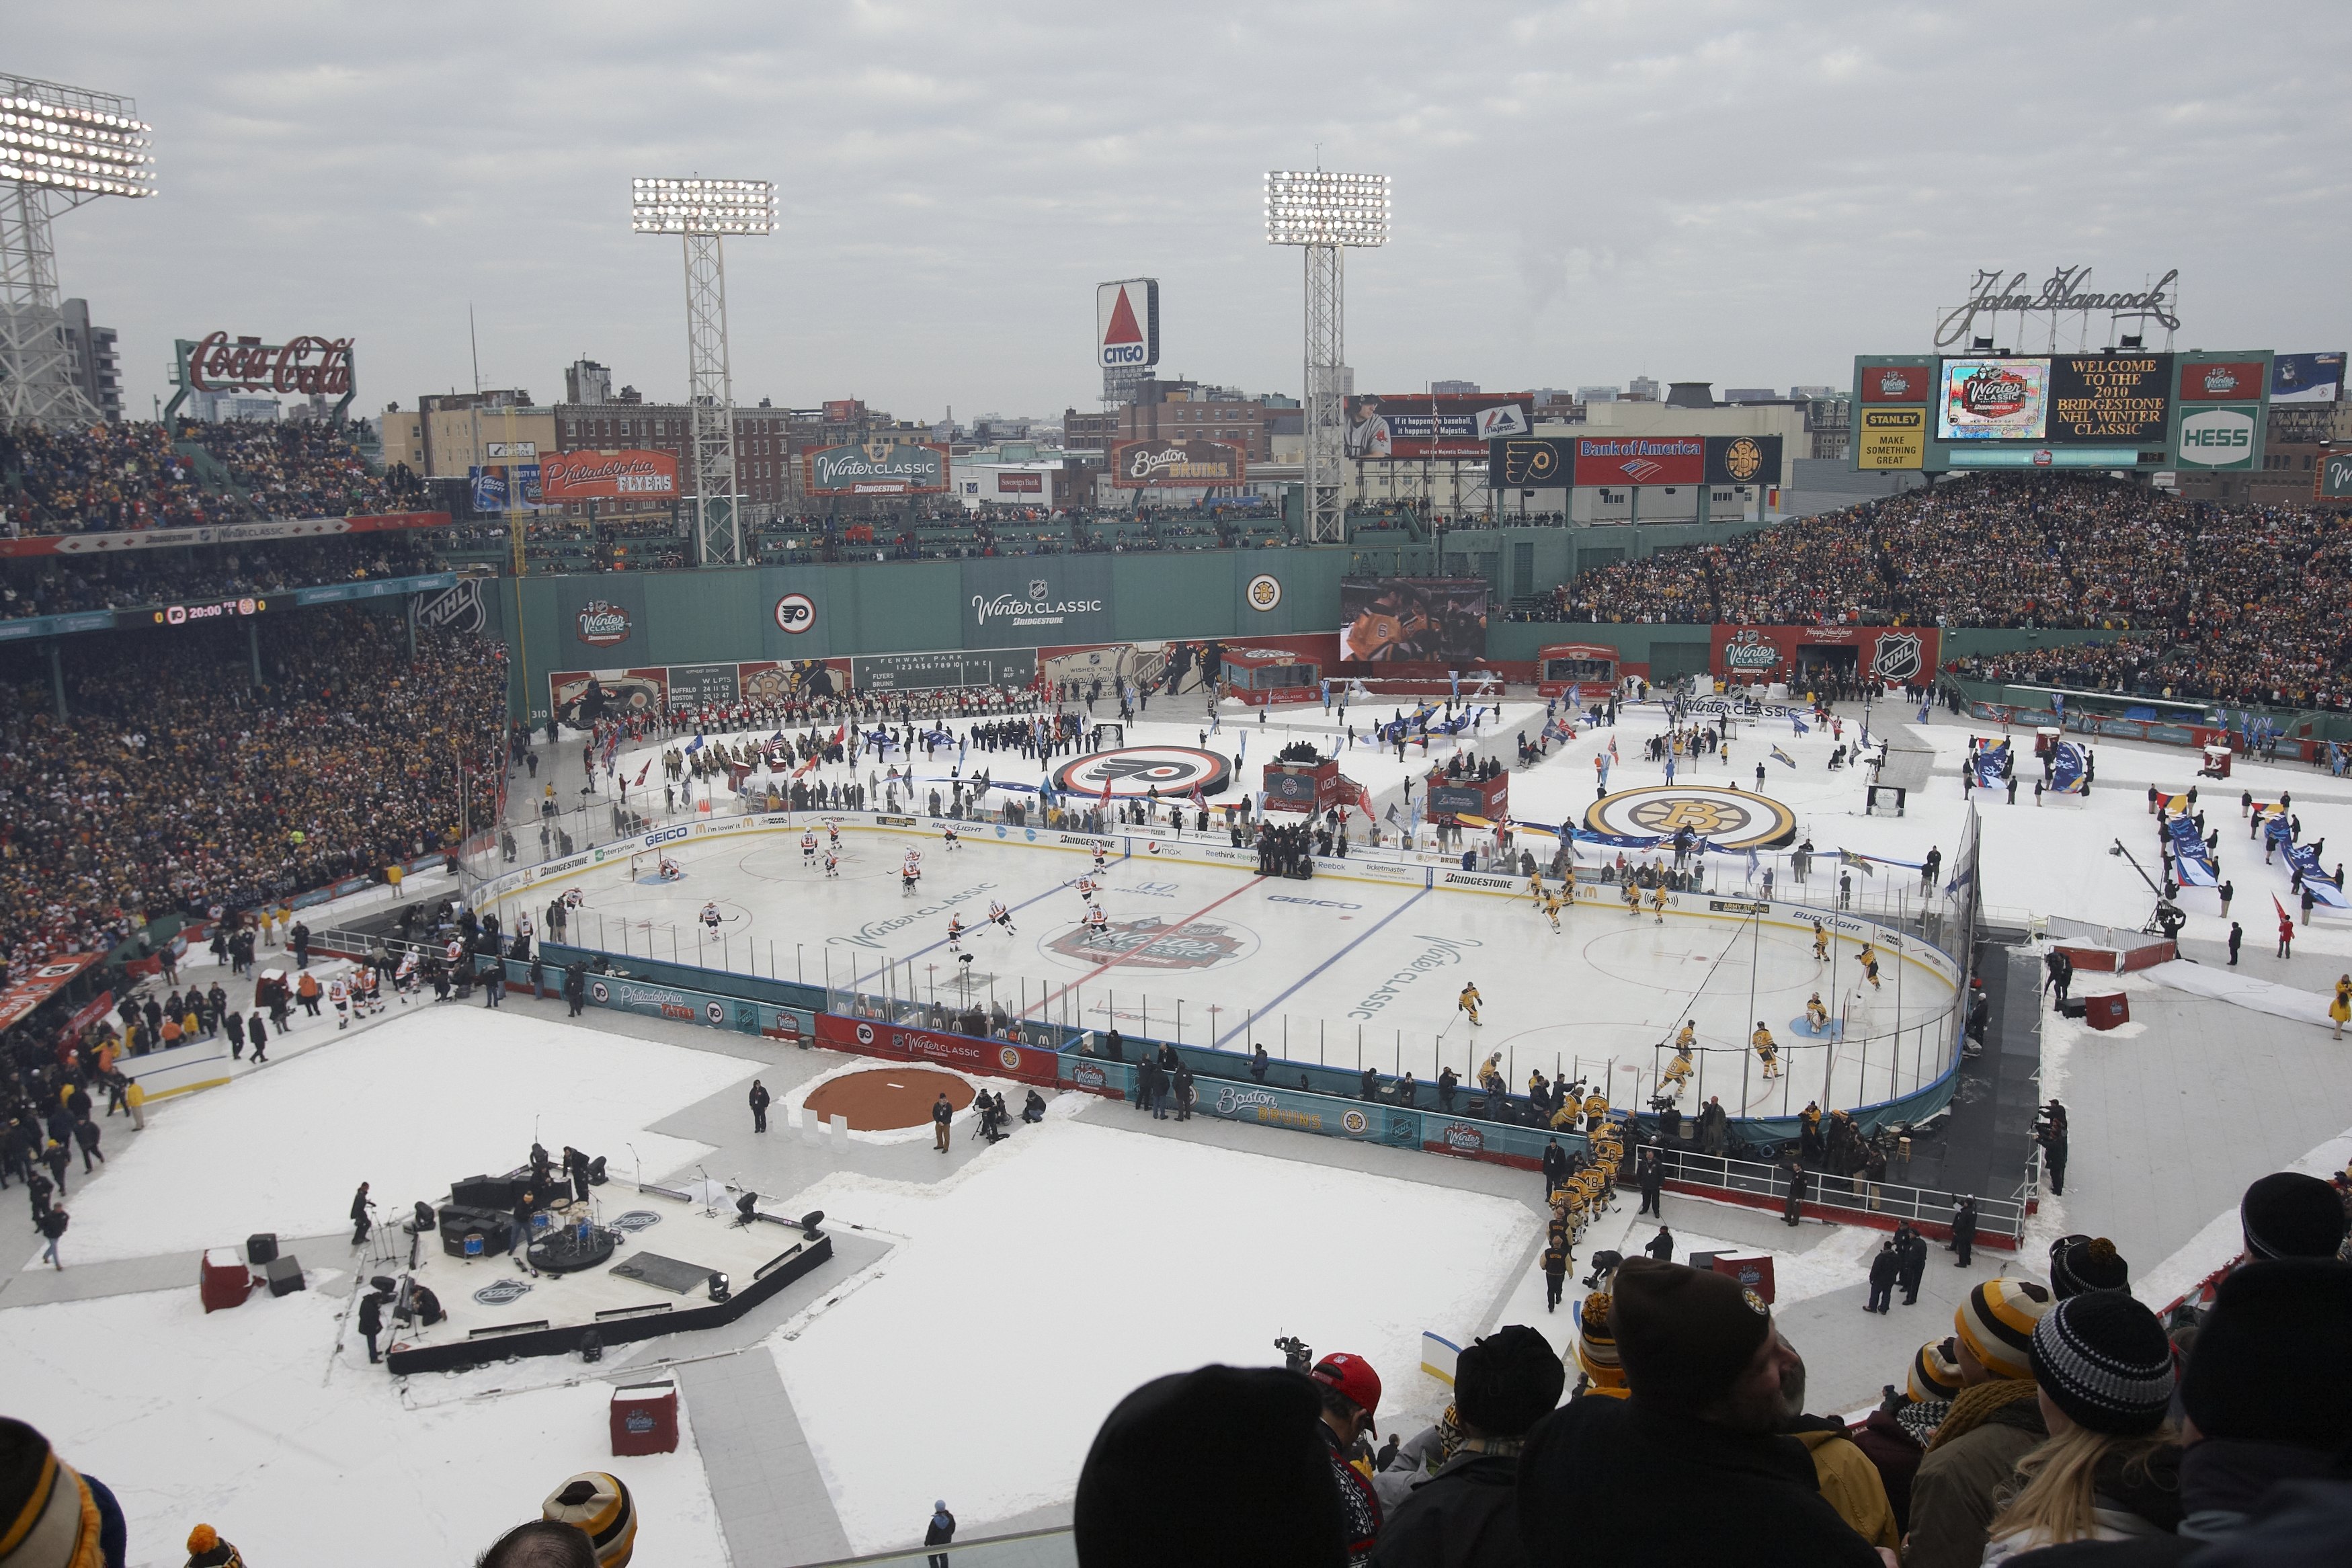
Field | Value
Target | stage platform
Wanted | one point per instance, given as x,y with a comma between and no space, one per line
667,1245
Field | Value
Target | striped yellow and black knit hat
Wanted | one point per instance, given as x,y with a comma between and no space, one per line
1596,1343
1934,1371
599,1504
1996,1324
48,1517
208,1550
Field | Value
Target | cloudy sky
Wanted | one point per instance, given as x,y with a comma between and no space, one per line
1748,193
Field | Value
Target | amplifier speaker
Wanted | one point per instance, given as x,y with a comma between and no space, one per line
283,1274
496,1230
485,1192
2072,1008
260,1248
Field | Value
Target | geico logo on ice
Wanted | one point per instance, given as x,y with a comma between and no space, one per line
666,835
1311,903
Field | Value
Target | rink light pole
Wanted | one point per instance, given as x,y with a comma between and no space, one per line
703,213
59,147
1325,214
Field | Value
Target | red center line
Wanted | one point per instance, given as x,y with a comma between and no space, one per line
1114,963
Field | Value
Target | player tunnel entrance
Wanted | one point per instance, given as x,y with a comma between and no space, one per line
1815,659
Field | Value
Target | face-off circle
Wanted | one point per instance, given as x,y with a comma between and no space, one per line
1727,819
1135,771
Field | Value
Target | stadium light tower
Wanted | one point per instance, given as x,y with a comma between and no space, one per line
59,147
703,211
1325,214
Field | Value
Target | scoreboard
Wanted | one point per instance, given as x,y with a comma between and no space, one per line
2112,410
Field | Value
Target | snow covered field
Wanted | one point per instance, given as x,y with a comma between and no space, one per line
246,1420
1050,1277
421,1099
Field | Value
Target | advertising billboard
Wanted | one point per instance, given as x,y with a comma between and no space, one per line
2110,398
1899,383
2307,378
1530,463
1993,399
633,474
2333,480
878,468
2222,380
1743,459
1412,620
1127,324
1890,438
1176,464
2219,435
1615,460
1417,424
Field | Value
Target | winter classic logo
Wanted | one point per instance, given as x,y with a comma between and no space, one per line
1134,771
1040,609
603,625
1748,653
1898,656
1152,942
1264,592
1727,819
1463,1138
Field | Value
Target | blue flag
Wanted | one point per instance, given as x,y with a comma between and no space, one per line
1781,755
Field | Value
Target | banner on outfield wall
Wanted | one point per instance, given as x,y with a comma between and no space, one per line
1898,656
118,541
966,1053
581,697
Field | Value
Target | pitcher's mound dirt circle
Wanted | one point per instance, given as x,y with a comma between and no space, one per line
883,1098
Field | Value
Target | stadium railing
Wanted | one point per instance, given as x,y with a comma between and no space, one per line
1029,1549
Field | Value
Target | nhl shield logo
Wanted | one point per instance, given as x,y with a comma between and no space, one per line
1038,589
1898,656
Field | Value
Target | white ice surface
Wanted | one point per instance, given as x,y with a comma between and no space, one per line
1050,1277
407,1106
236,1419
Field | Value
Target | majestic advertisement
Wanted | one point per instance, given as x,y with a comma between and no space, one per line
878,468
1412,620
2307,378
630,474
1899,656
1020,603
1177,465
1531,463
2110,398
1418,424
1743,459
1615,460
1890,438
1994,400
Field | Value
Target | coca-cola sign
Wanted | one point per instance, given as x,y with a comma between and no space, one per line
306,365
603,625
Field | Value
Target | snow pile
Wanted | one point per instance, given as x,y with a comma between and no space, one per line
427,1097
1053,1274
234,1419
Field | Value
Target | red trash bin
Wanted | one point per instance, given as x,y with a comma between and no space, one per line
2107,1011
222,1279
644,1419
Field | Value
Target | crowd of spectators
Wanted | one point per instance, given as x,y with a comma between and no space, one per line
177,786
140,474
55,585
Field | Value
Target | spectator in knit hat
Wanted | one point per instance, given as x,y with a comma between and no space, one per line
2267,1401
2083,1263
1849,1483
2289,1215
1995,1420
1599,1370
1896,1434
50,1513
208,1550
2111,1469
1274,1507
1466,1514
1610,1480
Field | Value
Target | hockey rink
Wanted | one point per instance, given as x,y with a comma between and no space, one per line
1348,969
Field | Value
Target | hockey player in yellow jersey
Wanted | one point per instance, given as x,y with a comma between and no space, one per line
1765,1048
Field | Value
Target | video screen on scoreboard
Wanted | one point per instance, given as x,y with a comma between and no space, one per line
1412,620
1993,399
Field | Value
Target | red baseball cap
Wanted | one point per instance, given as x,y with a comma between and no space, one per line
1353,1377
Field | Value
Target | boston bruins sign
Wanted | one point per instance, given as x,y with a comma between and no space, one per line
1727,819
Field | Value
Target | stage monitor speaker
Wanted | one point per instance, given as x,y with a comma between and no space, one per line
285,1275
485,1192
2072,1008
260,1248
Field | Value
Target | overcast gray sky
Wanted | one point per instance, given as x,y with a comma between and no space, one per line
1748,194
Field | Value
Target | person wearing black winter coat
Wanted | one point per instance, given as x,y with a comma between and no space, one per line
759,1098
84,1133
1884,1266
371,1320
1911,1261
